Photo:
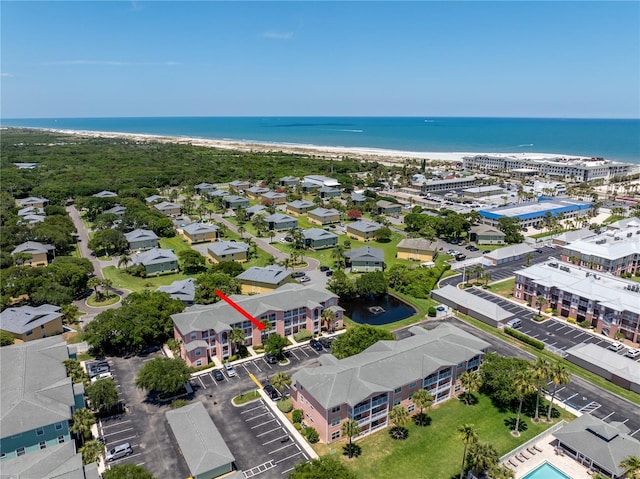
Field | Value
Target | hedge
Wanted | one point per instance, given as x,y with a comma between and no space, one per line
285,405
524,338
302,335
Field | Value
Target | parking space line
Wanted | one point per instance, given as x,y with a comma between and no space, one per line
117,432
262,424
303,352
117,424
293,455
608,415
126,457
293,352
255,363
634,432
570,330
213,379
202,382
570,397
259,415
270,430
581,334
283,447
126,438
245,368
274,440
253,409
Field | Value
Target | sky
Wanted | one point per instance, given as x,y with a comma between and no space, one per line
575,59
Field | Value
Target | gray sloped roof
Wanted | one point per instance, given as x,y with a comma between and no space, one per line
388,364
116,210
364,226
509,251
183,290
419,244
21,319
279,218
256,209
614,363
31,200
33,396
366,253
155,256
220,316
480,305
269,274
607,444
199,228
166,205
105,194
140,235
483,229
324,212
30,210
152,198
221,248
317,234
55,462
33,247
257,189
301,204
202,445
274,195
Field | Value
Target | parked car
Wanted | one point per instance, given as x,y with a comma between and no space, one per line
231,372
324,268
98,370
616,346
151,349
460,257
118,452
101,376
270,358
304,279
329,273
272,392
326,342
633,353
217,375
298,274
486,251
315,344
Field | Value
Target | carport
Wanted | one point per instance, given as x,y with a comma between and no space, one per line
200,442
476,307
624,372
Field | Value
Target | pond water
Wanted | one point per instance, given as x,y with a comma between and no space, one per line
377,311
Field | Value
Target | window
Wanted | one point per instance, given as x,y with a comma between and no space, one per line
58,426
198,352
397,390
335,435
199,362
411,408
30,332
335,421
413,384
60,439
336,409
193,336
396,401
21,451
43,445
39,431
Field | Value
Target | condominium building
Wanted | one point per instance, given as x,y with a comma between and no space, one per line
609,303
203,330
534,214
366,386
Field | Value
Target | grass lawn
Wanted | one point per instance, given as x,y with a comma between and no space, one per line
435,451
121,279
177,244
503,288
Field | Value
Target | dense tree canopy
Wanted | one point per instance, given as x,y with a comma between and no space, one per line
325,467
127,471
207,284
497,379
371,284
103,394
164,375
511,229
357,339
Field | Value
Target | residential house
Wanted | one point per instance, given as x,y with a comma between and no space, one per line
327,192
234,202
317,238
203,330
262,280
157,261
255,209
30,210
117,210
32,253
358,198
362,230
28,323
299,207
485,234
228,251
419,249
255,192
365,259
323,216
365,387
60,461
31,219
288,181
105,194
200,232
238,186
184,290
321,181
218,193
168,208
37,398
33,201
388,208
280,222
204,188
309,187
154,198
141,239
274,198
201,444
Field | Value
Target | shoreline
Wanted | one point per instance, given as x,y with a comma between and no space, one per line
383,156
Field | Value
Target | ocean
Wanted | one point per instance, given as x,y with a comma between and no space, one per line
614,139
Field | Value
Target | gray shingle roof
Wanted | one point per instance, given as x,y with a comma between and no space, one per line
32,200
257,190
366,253
33,247
364,226
388,364
202,445
256,209
608,360
222,248
55,462
152,198
419,244
607,444
510,251
116,210
140,235
317,234
30,210
269,274
279,218
183,290
486,229
32,395
200,228
482,306
301,204
154,256
274,195
166,205
21,319
324,212
105,194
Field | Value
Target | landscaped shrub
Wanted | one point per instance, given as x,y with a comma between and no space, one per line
524,338
571,320
312,435
585,324
296,416
431,311
302,335
548,310
297,425
285,405
178,403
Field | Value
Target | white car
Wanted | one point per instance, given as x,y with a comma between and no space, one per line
633,353
101,376
231,372
616,346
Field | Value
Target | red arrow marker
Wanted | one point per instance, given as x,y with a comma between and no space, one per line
231,303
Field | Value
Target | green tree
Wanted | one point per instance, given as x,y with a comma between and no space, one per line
540,301
423,399
6,338
501,472
127,471
511,229
91,452
191,262
559,376
70,313
524,386
399,418
327,317
482,457
631,465
208,283
540,375
372,284
357,339
237,337
267,326
165,375
341,285
81,423
325,467
497,373
383,235
103,394
109,241
75,371
350,429
337,254
280,380
468,435
470,382
275,344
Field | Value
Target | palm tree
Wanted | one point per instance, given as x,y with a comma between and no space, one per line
487,277
501,472
559,375
124,261
82,420
399,417
477,270
94,283
468,435
267,327
328,317
241,230
540,374
338,256
482,457
351,429
271,235
236,337
470,381
540,300
632,465
280,380
423,399
91,451
523,386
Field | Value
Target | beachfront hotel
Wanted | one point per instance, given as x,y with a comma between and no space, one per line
365,387
609,303
576,169
203,330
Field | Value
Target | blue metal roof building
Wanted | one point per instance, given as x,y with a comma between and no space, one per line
529,213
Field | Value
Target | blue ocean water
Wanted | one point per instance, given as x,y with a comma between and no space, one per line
615,139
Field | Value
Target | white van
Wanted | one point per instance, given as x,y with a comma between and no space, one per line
119,452
514,323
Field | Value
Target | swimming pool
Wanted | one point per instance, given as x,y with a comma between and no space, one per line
546,471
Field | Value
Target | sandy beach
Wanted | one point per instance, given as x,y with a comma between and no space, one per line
387,157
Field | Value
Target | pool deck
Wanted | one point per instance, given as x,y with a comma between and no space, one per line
525,462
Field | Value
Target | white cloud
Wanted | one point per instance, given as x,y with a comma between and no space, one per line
6,75
278,35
